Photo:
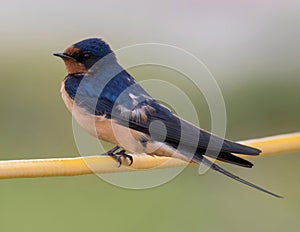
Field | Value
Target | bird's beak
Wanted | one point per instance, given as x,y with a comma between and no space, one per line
63,56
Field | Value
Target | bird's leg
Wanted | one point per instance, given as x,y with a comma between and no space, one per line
119,156
112,151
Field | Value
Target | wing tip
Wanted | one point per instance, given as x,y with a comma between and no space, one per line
253,151
245,149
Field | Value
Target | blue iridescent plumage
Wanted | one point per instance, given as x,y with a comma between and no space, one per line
102,87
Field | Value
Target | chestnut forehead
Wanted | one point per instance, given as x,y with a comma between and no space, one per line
71,50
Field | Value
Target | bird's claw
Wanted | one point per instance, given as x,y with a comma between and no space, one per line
120,155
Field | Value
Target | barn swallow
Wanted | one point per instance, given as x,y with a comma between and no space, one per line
107,102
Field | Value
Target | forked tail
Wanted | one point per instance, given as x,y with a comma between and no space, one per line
217,168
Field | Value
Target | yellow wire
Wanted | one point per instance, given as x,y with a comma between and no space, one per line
105,164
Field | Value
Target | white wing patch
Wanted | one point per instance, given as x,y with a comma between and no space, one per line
134,99
139,114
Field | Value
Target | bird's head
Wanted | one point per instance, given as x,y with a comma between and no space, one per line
81,56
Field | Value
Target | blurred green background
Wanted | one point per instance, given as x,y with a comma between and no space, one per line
252,49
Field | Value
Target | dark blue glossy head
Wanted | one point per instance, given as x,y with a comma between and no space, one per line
83,55
95,46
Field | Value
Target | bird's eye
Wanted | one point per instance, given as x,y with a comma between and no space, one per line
86,55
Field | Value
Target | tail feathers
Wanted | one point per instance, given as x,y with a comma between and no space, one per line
229,158
217,168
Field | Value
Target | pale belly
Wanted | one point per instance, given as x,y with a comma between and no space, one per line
105,129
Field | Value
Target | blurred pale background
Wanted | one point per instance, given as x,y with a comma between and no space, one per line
252,49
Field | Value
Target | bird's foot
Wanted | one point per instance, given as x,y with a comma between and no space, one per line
120,156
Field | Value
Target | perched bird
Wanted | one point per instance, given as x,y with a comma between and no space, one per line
106,101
